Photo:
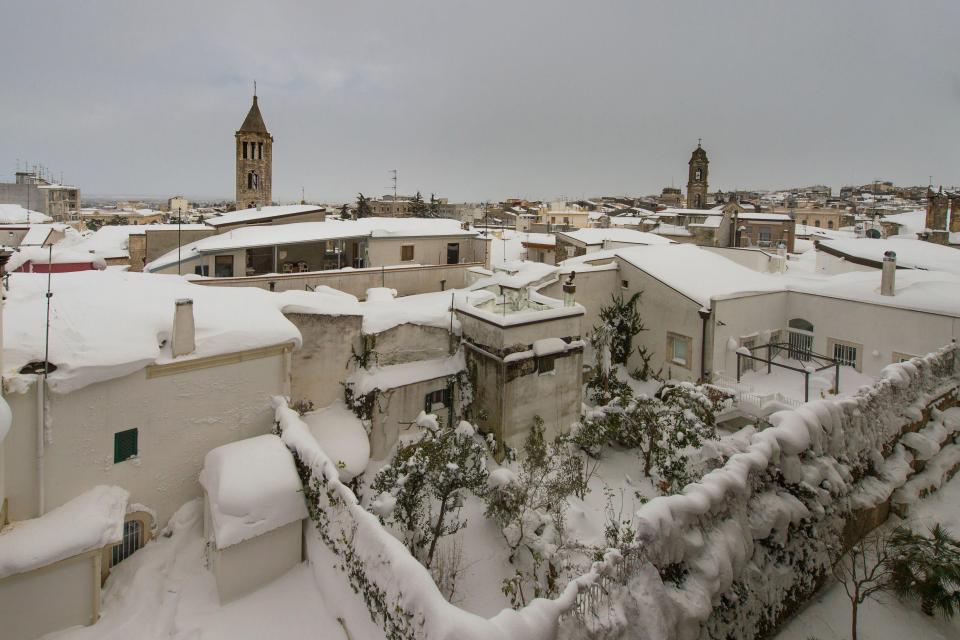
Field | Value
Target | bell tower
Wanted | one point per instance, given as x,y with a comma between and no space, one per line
254,154
697,182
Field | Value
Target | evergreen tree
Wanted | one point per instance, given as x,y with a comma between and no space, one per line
434,210
418,208
345,212
363,207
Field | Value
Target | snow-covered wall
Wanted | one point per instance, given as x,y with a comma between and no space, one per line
736,550
320,366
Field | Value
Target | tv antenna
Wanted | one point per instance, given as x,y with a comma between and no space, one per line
394,172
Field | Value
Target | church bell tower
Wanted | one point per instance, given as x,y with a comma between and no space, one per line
254,161
697,182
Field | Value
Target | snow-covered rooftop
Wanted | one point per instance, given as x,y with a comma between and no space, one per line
545,239
106,324
90,521
252,488
596,236
765,217
926,291
915,254
300,232
696,273
38,234
677,211
44,255
263,213
16,214
911,222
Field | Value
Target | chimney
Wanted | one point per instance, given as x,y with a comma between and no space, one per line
889,277
570,291
183,341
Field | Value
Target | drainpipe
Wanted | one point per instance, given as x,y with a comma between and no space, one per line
704,318
41,414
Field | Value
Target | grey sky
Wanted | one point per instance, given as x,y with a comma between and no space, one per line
482,100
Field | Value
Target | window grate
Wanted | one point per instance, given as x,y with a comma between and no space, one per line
131,542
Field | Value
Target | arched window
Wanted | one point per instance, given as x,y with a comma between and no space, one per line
696,176
253,181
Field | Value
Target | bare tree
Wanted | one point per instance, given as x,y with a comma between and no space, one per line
865,571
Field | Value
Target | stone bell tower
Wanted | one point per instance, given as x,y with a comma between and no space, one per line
254,161
697,182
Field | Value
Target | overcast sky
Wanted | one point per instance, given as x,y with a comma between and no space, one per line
482,100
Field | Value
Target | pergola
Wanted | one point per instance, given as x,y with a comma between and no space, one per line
821,363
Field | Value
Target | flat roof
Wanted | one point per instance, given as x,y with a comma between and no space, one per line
262,213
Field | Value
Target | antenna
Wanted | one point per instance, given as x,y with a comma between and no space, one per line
394,172
254,88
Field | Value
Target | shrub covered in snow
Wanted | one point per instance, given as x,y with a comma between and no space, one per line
426,480
530,507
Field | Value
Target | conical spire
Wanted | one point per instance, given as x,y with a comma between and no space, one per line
253,123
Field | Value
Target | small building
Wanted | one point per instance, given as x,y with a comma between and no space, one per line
253,514
765,230
540,247
50,566
570,244
53,260
266,215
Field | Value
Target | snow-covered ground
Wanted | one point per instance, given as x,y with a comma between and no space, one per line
828,615
164,591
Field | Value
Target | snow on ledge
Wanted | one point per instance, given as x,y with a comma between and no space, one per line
399,375
252,488
90,521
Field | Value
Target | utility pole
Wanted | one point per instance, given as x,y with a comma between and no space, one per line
394,172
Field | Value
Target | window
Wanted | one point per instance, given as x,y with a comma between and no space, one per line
202,270
223,266
696,176
546,364
566,220
244,150
829,224
436,399
124,445
406,253
816,223
800,338
902,357
624,284
260,151
765,235
678,349
847,353
453,253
